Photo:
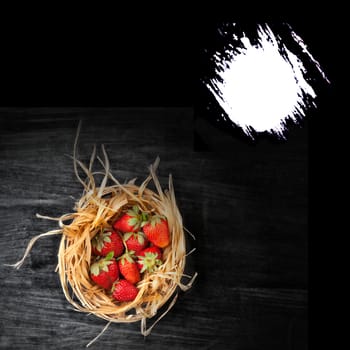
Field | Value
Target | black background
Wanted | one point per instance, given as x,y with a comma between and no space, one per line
135,84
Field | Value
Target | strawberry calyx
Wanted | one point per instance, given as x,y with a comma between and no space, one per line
129,256
144,219
136,217
149,262
139,236
100,239
102,264
154,220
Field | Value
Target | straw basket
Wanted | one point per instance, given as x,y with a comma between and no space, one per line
98,208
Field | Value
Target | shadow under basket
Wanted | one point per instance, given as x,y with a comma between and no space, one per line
97,209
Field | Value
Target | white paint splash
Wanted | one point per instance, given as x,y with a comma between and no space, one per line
260,88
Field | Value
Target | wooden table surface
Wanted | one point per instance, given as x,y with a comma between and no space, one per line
246,203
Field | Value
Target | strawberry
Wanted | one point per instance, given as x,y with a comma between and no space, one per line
130,221
107,241
105,271
149,259
128,267
123,290
135,241
157,231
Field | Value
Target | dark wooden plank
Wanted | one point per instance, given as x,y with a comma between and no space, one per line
247,207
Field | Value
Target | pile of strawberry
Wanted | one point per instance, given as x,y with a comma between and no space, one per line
124,253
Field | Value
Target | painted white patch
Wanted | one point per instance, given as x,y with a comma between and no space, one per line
301,43
259,87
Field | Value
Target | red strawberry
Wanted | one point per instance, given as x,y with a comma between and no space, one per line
149,259
130,221
106,242
105,271
157,231
128,267
135,241
123,290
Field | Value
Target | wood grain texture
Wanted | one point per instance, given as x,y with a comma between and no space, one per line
251,292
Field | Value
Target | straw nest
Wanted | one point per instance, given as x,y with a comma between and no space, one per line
98,208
